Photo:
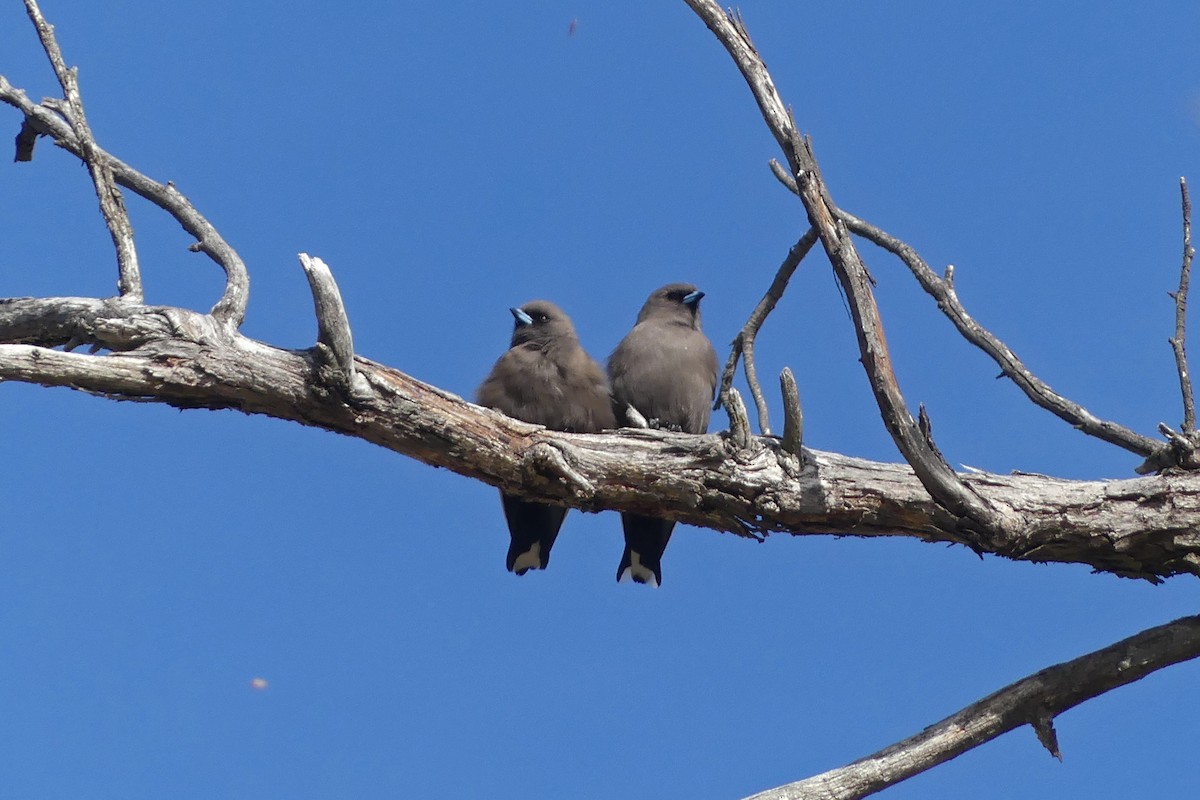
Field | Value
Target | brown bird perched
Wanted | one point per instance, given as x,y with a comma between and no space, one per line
545,378
666,369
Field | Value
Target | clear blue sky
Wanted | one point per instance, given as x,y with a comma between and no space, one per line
451,159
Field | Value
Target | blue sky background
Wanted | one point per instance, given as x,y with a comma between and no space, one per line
449,160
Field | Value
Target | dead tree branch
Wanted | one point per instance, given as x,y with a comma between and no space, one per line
230,309
1033,701
112,206
335,343
944,485
1178,341
973,509
1146,528
942,290
793,426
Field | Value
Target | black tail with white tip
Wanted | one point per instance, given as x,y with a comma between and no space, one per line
645,540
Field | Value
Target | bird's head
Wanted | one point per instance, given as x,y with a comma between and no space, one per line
675,302
540,322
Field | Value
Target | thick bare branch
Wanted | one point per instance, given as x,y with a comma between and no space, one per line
1032,701
112,206
743,343
1146,528
230,310
1178,341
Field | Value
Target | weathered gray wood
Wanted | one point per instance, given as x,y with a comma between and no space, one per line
1145,527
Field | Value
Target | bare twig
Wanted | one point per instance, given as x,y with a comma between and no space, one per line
793,416
1180,297
230,310
942,290
1043,726
743,343
112,206
785,177
1032,701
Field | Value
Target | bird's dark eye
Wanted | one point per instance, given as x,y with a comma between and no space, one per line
540,317
676,295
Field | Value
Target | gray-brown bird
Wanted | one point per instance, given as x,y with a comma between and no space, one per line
545,378
667,370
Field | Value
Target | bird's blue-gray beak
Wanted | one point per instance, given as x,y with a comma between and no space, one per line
693,298
521,317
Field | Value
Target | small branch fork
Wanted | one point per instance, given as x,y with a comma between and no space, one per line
66,126
1180,449
112,206
1033,701
743,343
942,290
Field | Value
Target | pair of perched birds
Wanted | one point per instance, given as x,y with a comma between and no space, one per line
665,369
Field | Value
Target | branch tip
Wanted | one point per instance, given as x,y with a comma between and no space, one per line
784,177
333,324
1179,340
793,426
1011,367
739,420
1043,726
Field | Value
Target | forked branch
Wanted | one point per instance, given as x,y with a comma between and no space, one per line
976,512
942,290
43,119
112,206
743,343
